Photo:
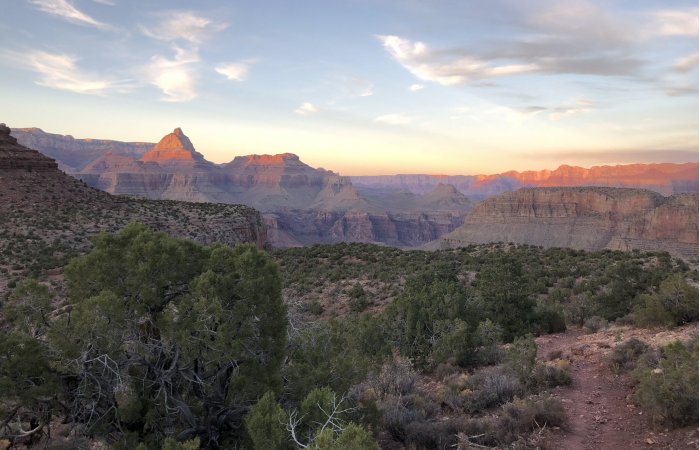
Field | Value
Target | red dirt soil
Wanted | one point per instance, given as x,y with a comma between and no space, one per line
599,403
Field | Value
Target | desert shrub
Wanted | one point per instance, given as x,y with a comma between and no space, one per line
337,353
521,358
675,303
431,435
549,319
529,414
488,339
353,437
625,356
397,415
669,392
315,308
491,387
595,323
396,377
549,376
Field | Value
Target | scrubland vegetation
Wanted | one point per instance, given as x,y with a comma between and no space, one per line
159,343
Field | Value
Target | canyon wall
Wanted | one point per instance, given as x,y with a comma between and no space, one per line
73,154
590,218
35,195
293,228
664,178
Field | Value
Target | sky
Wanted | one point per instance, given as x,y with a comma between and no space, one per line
364,87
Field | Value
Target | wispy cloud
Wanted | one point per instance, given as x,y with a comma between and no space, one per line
186,26
579,107
394,119
185,31
558,38
676,22
416,87
65,10
443,68
176,77
687,63
234,71
306,108
682,90
60,71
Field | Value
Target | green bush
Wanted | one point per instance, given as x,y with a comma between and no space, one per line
675,303
548,376
625,356
265,424
669,391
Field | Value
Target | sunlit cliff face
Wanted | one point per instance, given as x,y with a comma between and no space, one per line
174,146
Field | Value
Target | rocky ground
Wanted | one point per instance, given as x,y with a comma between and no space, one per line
599,403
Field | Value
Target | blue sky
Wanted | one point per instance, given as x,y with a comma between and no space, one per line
364,87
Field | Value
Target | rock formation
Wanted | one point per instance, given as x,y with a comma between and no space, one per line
303,205
36,196
665,178
589,218
73,154
15,159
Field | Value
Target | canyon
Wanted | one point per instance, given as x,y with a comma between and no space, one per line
589,218
664,178
42,207
301,205
645,206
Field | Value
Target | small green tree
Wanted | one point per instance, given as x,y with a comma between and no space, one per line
28,308
675,303
266,424
169,337
503,288
521,358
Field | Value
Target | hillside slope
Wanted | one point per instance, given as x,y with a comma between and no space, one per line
47,216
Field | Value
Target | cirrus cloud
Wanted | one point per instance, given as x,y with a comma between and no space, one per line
61,71
234,71
65,10
306,108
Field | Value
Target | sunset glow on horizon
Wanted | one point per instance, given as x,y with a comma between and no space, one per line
364,87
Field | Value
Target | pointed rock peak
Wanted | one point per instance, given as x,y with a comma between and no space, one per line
174,147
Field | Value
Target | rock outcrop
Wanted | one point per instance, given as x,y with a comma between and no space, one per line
16,159
39,199
73,154
286,190
303,205
665,178
589,218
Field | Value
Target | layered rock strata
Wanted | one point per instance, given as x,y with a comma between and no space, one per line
36,196
591,218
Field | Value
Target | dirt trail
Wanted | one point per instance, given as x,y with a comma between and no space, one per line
599,403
